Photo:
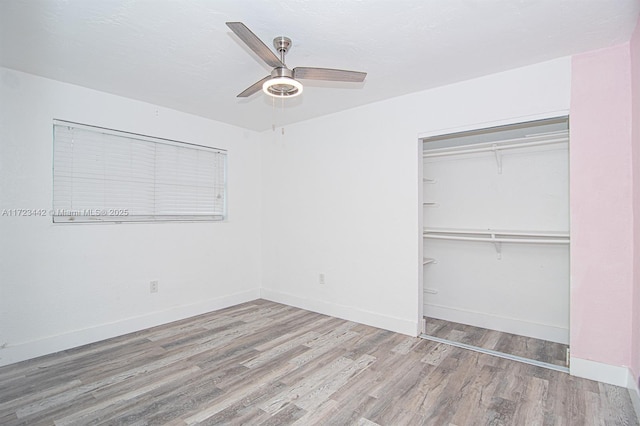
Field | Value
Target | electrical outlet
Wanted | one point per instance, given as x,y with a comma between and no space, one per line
321,279
153,287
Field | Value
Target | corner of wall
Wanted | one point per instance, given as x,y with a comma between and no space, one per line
634,393
634,47
349,313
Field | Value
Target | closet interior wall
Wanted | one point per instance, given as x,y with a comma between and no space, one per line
496,236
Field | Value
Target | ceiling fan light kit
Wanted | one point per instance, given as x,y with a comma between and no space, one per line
282,87
282,82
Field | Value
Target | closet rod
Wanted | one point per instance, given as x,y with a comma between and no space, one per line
499,239
496,232
540,137
494,147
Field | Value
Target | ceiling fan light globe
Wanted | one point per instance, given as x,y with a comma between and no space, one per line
282,87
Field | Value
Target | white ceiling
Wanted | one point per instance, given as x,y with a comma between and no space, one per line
181,55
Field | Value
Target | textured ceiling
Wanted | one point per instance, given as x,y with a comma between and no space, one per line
181,55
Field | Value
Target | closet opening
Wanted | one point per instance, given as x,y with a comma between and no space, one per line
496,240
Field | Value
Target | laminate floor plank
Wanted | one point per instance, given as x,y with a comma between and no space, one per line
47,417
166,404
320,415
478,398
458,393
285,345
348,412
385,383
522,346
248,407
263,363
369,380
321,391
368,342
287,416
305,385
408,395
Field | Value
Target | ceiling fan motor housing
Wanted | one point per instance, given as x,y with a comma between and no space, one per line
282,45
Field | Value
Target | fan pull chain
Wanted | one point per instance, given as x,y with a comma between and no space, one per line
275,113
273,119
282,108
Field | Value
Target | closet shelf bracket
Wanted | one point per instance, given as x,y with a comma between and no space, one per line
427,180
428,260
496,152
498,246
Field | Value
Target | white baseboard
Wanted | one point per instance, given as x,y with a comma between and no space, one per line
611,374
349,313
499,323
51,344
593,370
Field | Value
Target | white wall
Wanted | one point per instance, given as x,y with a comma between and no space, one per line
341,193
67,285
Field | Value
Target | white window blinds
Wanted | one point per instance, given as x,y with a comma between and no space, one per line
102,175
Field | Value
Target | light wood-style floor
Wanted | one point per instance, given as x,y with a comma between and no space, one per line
513,344
270,364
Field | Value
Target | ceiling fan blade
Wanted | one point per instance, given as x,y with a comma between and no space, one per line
328,74
254,88
255,44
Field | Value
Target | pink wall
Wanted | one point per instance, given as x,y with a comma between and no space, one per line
602,238
635,108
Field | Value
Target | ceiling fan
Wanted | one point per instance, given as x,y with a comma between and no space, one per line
283,83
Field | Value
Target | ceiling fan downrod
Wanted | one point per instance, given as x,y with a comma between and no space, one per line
282,45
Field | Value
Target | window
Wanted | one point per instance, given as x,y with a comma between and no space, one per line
102,175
